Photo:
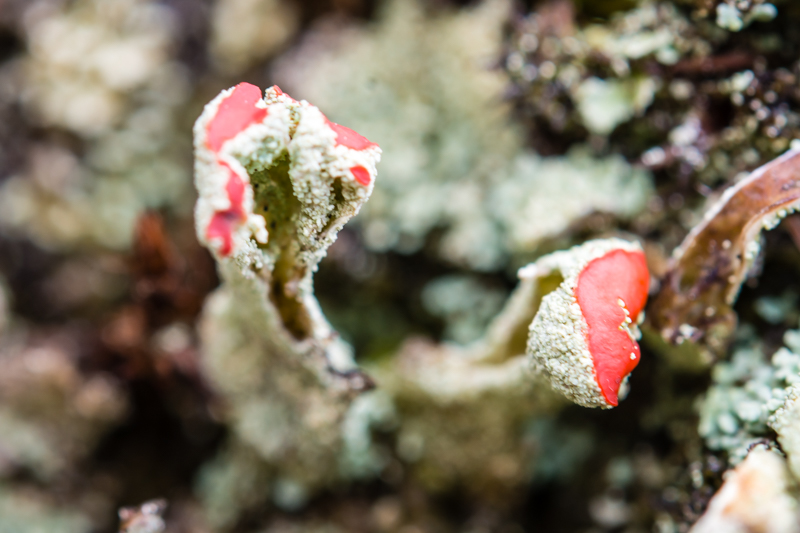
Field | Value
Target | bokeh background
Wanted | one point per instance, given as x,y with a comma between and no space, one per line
509,130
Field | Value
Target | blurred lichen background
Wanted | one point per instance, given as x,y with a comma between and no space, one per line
136,395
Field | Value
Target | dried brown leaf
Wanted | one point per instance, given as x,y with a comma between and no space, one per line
708,268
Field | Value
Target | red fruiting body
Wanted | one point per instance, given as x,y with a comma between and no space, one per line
223,222
280,92
235,113
608,287
361,175
347,137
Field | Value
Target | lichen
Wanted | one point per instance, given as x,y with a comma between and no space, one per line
234,482
485,390
28,512
735,16
360,457
542,196
746,391
145,518
287,379
778,310
559,342
464,303
511,130
422,89
603,105
51,414
554,61
107,76
245,32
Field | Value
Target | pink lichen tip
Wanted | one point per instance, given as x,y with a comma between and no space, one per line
584,336
241,128
347,137
235,113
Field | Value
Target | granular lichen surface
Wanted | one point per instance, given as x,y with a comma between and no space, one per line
474,266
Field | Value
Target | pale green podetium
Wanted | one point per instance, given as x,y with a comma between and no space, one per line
286,378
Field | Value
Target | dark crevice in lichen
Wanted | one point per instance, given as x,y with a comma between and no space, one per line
276,202
338,200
